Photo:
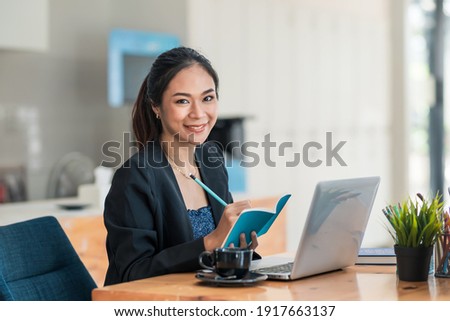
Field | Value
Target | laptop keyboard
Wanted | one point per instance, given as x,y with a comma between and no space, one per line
283,268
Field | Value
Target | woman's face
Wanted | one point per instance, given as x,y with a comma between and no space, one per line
189,106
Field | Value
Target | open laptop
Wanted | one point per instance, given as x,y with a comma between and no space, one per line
333,230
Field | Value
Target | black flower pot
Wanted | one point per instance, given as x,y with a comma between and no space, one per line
413,263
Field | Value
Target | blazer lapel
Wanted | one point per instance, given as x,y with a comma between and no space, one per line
211,176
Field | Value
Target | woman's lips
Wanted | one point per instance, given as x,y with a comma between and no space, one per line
196,128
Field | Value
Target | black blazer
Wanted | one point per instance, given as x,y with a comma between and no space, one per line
149,232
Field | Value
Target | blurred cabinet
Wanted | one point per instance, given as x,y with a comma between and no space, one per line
88,236
229,134
130,55
24,24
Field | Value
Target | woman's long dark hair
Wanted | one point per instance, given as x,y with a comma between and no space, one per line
146,126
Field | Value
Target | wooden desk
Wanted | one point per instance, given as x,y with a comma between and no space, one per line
353,283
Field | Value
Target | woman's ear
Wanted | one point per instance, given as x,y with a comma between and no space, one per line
156,110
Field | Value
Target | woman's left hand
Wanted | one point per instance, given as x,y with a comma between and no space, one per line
243,242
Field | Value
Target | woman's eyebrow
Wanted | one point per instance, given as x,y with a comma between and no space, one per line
189,95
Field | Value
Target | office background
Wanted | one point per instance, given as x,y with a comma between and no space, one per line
295,69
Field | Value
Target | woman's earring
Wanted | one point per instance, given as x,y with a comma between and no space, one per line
157,116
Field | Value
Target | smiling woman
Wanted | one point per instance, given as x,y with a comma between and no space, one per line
158,219
190,107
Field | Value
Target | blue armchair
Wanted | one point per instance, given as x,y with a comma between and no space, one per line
38,262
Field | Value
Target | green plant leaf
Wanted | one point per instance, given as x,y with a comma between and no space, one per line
414,224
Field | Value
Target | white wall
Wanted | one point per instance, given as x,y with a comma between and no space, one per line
301,69
24,24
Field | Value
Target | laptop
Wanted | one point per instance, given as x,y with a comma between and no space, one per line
332,233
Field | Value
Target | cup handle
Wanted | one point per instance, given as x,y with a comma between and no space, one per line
202,256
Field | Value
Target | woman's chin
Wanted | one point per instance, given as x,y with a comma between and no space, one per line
196,139
196,142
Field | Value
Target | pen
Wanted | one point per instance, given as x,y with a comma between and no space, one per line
207,189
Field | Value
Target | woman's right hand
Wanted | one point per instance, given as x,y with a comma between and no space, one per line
229,217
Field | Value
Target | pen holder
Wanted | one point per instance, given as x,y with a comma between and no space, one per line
442,256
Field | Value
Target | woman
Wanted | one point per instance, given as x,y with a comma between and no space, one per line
158,219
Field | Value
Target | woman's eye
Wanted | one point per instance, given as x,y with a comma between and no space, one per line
208,98
182,101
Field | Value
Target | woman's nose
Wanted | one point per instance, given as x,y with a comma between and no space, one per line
197,110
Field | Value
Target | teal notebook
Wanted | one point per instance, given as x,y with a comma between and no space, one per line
254,219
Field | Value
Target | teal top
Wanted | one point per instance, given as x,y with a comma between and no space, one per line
202,221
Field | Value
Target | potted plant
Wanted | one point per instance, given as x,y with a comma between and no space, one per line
415,227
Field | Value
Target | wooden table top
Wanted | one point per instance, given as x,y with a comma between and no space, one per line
352,283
